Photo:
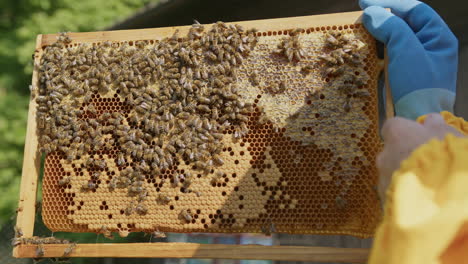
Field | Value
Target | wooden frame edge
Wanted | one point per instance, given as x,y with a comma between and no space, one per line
389,107
202,251
263,25
31,160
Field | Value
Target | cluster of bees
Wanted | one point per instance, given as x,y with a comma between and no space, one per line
291,47
341,60
181,93
273,88
40,242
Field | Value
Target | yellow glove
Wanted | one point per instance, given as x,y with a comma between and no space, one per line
426,213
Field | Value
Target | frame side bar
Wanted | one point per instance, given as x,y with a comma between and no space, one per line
31,160
389,107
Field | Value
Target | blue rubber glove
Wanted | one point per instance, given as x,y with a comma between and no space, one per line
422,52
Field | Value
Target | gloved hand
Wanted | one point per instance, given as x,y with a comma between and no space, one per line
402,137
422,52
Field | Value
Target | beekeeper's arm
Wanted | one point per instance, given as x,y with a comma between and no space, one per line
424,165
424,183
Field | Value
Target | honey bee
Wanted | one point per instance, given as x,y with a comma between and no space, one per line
361,93
101,164
244,129
141,209
340,55
351,59
42,108
187,183
87,98
88,186
268,229
39,253
217,178
230,96
195,122
177,179
236,57
186,215
64,181
206,124
330,40
263,119
18,232
129,210
254,79
265,230
112,185
346,88
220,56
96,175
203,108
348,78
197,73
200,164
78,92
171,149
204,100
163,199
159,151
106,232
334,71
217,82
84,68
347,106
329,59
41,99
63,37
92,109
68,250
282,86
204,73
210,55
144,167
340,202
345,38
359,81
218,160
18,241
103,89
158,234
307,69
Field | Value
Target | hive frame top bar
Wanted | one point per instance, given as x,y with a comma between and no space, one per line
263,25
31,166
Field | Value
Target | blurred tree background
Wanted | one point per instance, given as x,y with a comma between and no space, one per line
20,22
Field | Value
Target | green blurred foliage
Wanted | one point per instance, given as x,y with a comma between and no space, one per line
20,22
13,112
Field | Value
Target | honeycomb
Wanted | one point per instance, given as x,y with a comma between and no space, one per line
304,165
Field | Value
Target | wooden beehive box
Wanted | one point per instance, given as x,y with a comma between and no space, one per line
213,128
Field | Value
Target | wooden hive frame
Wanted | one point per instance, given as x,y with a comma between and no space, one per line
32,165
